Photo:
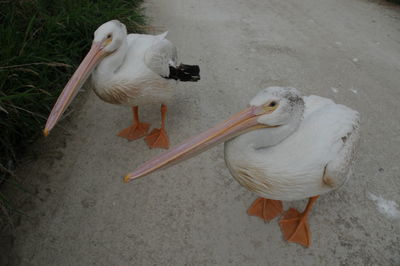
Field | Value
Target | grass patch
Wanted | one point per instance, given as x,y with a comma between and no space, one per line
41,43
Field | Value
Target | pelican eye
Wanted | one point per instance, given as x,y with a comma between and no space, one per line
108,40
270,107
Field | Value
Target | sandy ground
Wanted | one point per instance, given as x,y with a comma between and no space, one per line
195,213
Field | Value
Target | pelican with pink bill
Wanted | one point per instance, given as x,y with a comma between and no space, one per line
284,146
128,69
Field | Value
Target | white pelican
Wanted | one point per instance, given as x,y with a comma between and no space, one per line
128,69
282,147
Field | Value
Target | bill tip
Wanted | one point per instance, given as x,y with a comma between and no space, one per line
127,178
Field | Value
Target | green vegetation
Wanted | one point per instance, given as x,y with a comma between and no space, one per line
41,43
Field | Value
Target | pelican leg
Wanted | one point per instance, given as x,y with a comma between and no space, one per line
137,129
294,225
266,209
158,137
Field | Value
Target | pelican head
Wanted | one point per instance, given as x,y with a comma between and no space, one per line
286,103
110,35
274,107
107,39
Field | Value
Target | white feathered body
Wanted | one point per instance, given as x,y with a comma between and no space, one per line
313,160
134,74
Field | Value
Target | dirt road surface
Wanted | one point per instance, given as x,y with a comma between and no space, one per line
195,213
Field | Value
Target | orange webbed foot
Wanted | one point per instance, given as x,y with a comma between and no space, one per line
157,138
295,228
294,225
266,209
135,131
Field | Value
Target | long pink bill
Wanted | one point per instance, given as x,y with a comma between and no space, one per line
74,84
228,129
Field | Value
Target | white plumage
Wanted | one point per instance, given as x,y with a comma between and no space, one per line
136,73
313,160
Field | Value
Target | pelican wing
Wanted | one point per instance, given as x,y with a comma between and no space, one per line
337,170
161,55
337,127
